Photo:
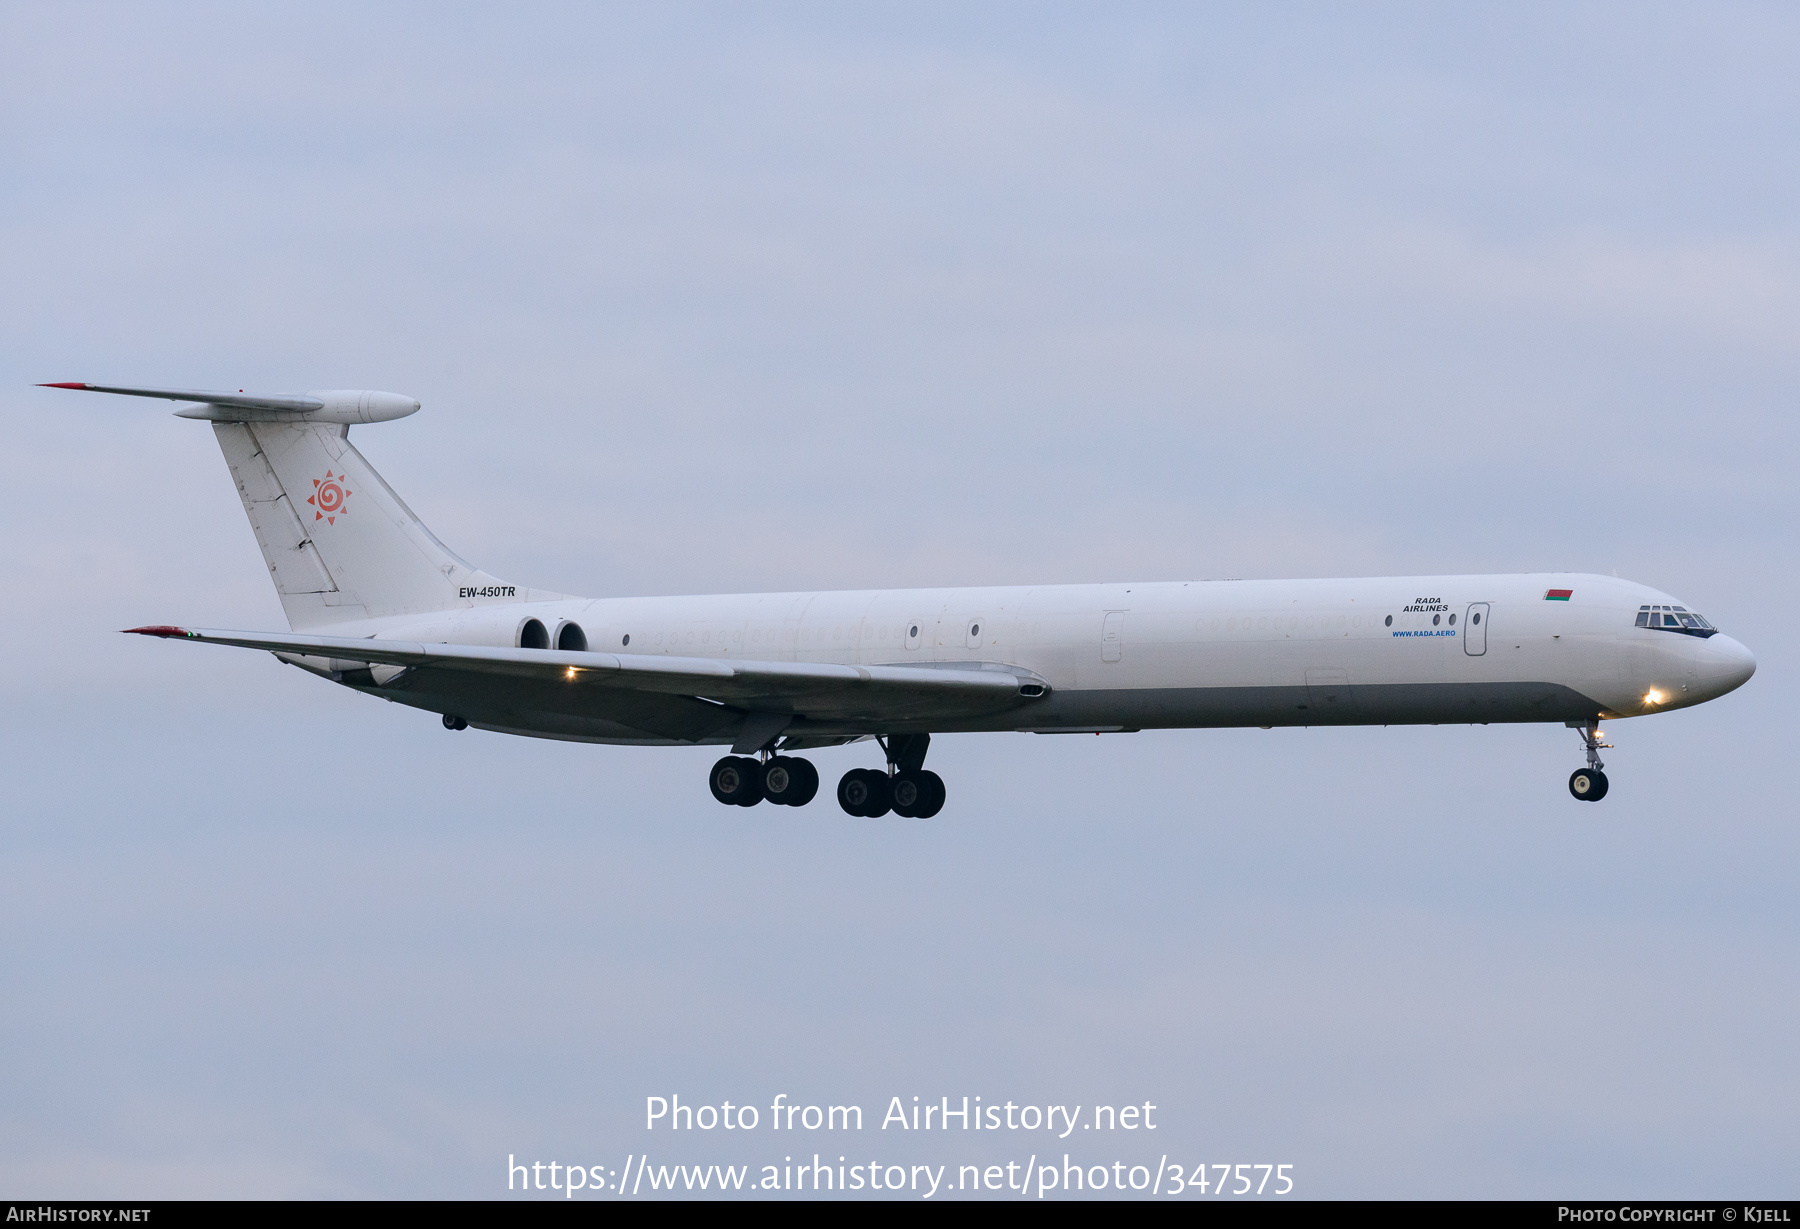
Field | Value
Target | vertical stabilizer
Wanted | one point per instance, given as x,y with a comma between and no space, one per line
339,543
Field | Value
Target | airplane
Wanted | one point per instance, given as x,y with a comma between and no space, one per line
375,602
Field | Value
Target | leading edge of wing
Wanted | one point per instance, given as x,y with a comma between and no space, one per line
726,680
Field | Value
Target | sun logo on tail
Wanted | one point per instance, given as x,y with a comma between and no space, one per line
327,499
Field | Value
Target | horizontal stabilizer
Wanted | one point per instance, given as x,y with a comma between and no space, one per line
339,405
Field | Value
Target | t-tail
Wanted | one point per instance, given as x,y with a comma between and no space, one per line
340,545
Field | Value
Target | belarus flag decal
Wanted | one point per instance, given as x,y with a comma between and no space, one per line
1558,595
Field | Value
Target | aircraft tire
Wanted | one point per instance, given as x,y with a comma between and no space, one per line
933,791
852,799
1588,784
753,774
736,781
864,793
881,797
784,781
907,792
917,795
453,722
808,788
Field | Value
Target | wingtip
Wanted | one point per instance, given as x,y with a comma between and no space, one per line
160,629
66,384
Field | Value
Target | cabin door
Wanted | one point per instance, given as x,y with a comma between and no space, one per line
1475,625
1112,635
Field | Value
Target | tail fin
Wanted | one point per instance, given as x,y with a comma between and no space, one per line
340,544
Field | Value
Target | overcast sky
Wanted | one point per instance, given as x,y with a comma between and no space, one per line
726,298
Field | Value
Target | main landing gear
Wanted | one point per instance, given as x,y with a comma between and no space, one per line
905,788
743,780
1589,784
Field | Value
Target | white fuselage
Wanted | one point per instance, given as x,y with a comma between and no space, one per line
1133,656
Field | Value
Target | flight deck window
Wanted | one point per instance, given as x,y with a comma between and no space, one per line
1674,619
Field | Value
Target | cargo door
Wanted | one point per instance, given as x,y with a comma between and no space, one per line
1328,691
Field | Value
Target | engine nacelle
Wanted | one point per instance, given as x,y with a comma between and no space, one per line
498,627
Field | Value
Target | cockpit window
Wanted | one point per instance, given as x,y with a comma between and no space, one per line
1675,619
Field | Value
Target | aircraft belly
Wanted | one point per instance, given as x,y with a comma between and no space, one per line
1221,707
1325,702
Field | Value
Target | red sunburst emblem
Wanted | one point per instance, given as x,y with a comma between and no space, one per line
327,499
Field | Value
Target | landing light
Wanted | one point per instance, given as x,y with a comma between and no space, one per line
570,673
1653,696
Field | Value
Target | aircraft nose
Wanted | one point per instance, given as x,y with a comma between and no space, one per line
1729,664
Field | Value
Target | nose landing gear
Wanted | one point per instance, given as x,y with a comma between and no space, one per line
1589,784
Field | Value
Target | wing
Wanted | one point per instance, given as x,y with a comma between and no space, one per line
684,698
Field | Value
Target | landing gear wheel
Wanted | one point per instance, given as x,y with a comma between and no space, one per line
934,795
453,722
789,782
1588,784
777,781
808,789
864,793
906,794
917,795
736,781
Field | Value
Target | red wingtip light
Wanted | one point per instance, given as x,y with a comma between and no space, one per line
69,384
161,629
